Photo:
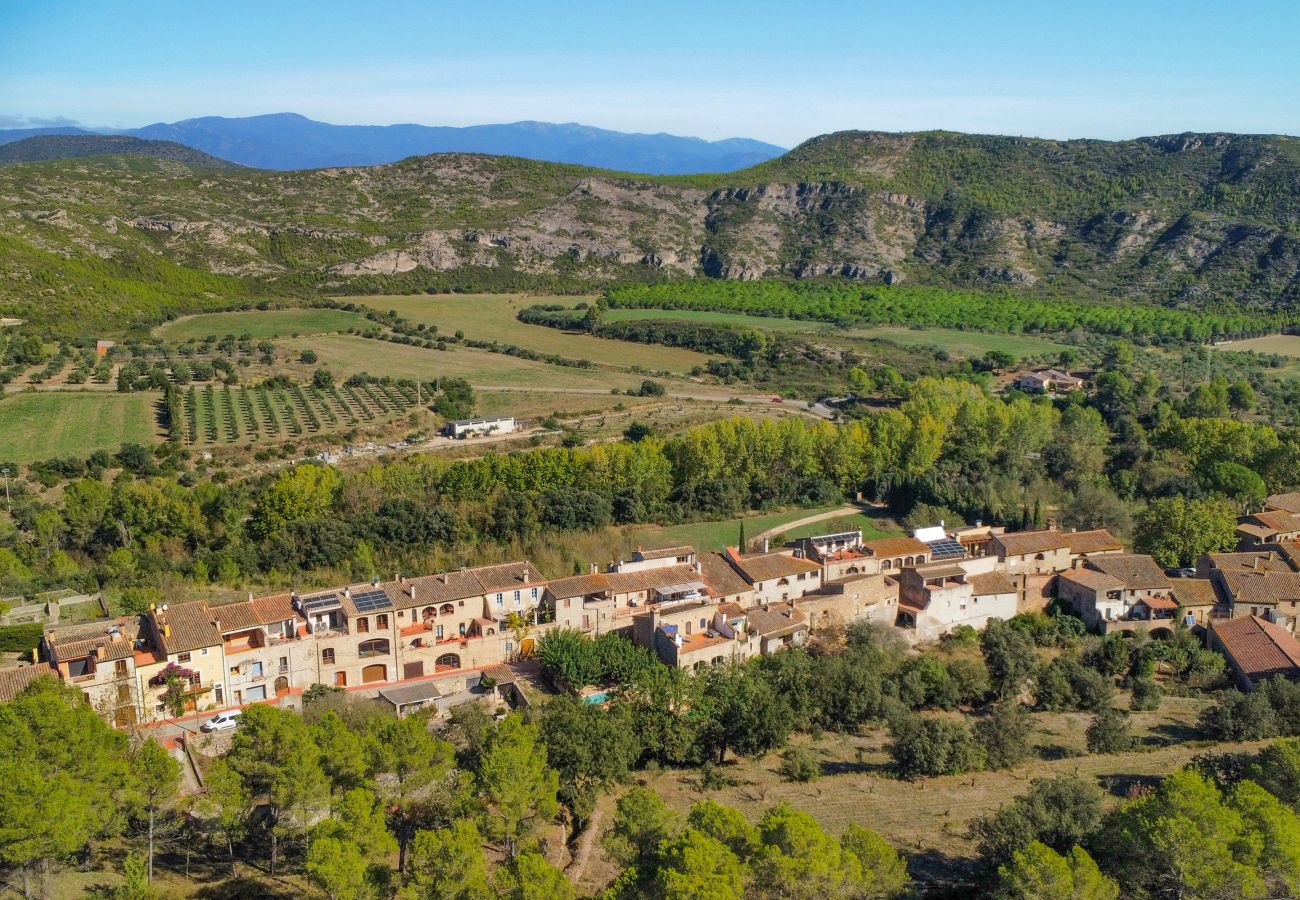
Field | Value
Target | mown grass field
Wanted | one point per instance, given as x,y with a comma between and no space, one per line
961,343
346,354
491,317
40,425
1281,344
258,324
224,415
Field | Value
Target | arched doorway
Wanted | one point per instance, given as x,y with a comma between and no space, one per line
281,686
375,672
1161,634
447,661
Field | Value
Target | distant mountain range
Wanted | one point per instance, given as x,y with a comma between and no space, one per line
291,141
45,147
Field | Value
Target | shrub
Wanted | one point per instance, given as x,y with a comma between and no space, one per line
1004,735
1240,717
922,747
799,764
1146,694
1108,732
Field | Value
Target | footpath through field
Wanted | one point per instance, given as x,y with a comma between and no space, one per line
847,509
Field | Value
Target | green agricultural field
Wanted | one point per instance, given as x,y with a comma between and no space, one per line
35,426
217,414
491,317
258,324
347,354
961,343
765,323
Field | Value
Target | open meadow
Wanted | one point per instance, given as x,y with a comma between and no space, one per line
961,343
491,317
258,324
40,425
347,354
928,820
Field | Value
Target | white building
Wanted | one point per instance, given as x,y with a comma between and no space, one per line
463,428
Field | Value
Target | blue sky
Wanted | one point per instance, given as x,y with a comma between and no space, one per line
778,71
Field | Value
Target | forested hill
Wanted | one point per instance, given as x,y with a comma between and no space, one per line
1202,221
41,148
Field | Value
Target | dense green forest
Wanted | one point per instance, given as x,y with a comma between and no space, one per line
854,304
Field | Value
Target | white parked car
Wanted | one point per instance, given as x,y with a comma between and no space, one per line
222,721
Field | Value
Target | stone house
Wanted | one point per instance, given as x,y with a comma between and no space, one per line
776,577
1110,589
936,598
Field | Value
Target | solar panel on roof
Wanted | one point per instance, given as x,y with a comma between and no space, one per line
371,601
320,603
945,548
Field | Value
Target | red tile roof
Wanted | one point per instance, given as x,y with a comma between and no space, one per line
1257,648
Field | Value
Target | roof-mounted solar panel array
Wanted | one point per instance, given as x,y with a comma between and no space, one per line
945,548
371,601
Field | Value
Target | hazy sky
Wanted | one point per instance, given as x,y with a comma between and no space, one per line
778,71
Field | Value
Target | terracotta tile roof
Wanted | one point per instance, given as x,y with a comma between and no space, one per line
757,567
1258,531
507,576
76,641
1098,540
1261,587
235,616
1092,579
1285,502
15,679
433,589
666,552
1159,602
732,610
578,586
1138,571
1258,649
1195,592
1259,560
1276,519
777,620
649,579
1021,543
895,546
275,608
185,627
721,578
991,583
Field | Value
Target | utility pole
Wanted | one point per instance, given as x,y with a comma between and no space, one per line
8,505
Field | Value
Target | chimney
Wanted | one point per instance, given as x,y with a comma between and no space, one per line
442,578
411,590
524,576
765,545
167,631
99,652
250,596
400,578
699,569
347,592
593,568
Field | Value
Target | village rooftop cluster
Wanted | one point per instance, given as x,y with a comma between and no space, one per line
418,639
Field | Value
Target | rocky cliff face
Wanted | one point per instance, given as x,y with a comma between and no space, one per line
1195,219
